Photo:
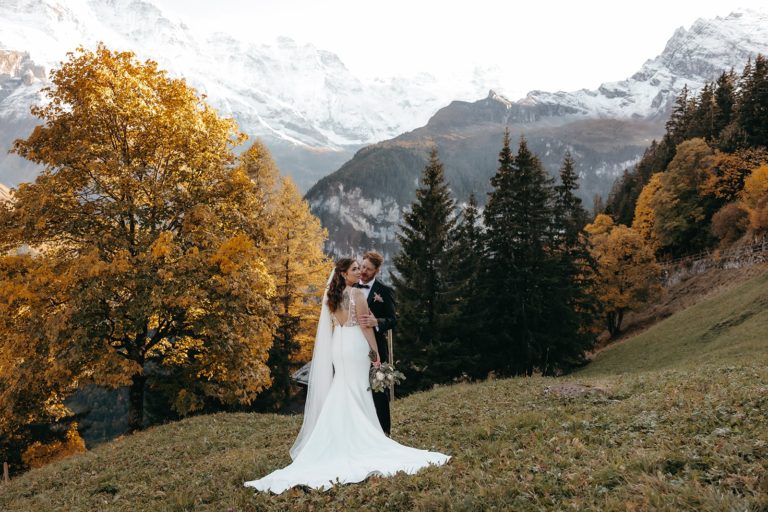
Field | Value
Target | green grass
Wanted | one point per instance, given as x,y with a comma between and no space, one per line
681,425
730,328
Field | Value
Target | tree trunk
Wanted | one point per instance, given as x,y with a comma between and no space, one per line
611,324
619,319
136,403
614,322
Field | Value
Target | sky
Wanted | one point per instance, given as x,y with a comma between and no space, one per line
538,44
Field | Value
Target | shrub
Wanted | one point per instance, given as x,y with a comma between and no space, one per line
730,223
38,454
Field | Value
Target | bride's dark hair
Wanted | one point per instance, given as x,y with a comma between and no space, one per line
338,283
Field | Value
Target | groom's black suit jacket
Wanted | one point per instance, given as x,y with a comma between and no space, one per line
381,302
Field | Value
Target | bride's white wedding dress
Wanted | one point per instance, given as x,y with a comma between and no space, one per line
346,444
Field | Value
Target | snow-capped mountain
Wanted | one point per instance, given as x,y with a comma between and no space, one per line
311,111
5,193
691,57
606,130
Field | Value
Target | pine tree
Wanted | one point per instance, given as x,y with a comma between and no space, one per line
421,282
678,123
725,100
623,195
753,104
467,320
571,214
598,205
518,232
703,114
572,282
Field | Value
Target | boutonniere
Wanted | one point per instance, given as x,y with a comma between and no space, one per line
377,298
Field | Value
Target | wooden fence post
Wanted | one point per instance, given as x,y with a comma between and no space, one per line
6,478
390,349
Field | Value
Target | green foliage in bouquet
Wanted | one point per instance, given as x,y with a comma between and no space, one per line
383,377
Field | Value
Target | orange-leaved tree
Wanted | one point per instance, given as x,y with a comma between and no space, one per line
727,173
294,249
628,275
754,198
152,248
645,216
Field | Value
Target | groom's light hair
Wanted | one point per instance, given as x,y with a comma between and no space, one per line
374,257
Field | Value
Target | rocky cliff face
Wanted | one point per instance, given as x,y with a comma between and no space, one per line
18,65
606,130
362,203
21,80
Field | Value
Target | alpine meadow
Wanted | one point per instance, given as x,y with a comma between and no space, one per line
580,281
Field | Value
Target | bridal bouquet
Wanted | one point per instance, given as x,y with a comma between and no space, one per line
384,376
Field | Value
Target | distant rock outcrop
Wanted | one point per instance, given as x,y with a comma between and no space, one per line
5,193
15,65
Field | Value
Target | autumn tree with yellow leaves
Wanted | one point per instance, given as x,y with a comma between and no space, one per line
298,266
153,249
754,199
644,222
726,175
628,275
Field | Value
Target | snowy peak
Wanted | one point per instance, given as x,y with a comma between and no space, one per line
21,80
5,194
302,101
18,66
292,93
691,57
494,96
137,20
703,51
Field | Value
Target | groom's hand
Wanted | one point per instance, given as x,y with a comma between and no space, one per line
368,320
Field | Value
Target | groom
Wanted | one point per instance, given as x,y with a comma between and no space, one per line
381,302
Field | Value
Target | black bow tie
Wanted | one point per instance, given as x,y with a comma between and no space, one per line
366,286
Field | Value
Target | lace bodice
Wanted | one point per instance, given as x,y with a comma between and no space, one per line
348,308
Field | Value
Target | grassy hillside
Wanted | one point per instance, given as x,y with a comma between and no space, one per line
674,419
731,328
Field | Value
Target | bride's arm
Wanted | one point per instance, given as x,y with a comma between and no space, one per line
361,306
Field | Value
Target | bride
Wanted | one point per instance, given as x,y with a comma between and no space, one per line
341,440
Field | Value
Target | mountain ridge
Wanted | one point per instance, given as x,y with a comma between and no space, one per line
606,130
302,101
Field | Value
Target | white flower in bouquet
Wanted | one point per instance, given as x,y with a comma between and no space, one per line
384,376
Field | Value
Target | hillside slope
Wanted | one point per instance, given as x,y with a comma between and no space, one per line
687,292
673,419
729,328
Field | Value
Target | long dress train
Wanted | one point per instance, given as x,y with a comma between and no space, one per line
347,444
